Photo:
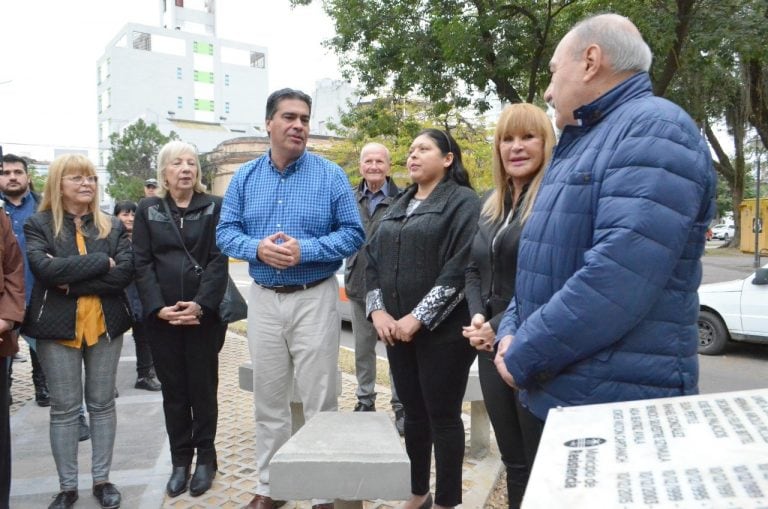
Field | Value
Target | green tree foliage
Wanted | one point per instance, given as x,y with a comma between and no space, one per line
133,159
36,181
395,123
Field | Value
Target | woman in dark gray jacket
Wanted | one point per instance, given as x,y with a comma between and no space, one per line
180,299
415,278
82,262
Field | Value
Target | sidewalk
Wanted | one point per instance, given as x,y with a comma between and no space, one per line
142,463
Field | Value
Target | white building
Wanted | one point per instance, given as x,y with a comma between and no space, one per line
183,78
332,97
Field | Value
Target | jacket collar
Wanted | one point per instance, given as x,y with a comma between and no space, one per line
198,201
636,86
435,202
392,189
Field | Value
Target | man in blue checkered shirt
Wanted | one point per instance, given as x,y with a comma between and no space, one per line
292,215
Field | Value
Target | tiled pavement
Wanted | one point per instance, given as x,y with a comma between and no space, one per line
141,462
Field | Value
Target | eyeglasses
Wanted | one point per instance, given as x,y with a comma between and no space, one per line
79,179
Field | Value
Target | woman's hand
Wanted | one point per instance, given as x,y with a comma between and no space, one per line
480,333
407,327
183,313
385,326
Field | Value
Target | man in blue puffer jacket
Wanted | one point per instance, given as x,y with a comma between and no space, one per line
606,306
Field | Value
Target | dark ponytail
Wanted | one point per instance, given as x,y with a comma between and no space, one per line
446,143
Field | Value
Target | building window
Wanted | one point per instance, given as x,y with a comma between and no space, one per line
180,102
178,73
226,107
142,41
258,60
226,80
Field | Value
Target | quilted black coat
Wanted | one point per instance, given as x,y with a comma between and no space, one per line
52,311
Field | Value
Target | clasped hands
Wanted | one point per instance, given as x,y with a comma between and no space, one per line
279,251
391,330
182,313
482,336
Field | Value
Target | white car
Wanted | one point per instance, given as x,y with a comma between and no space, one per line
723,231
343,305
736,310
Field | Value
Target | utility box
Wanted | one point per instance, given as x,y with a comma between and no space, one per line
748,219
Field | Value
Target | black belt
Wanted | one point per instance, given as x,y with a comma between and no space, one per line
293,288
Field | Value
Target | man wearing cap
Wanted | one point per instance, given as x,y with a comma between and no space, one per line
292,215
150,186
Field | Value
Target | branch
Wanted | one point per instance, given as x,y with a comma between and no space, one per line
723,164
672,60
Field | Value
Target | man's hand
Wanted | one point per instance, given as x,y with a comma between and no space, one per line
279,251
501,367
407,326
385,326
479,333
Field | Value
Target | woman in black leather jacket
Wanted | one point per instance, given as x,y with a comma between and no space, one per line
82,262
523,144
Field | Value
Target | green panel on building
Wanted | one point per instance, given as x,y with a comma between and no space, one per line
204,77
203,105
203,48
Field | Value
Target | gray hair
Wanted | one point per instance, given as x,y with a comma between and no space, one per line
168,153
375,146
618,38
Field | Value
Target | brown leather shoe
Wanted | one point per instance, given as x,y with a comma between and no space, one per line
260,502
323,506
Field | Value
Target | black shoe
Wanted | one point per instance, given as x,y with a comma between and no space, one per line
64,500
107,495
365,407
41,395
202,478
177,484
85,431
148,383
400,421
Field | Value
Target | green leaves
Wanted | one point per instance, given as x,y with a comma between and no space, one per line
134,159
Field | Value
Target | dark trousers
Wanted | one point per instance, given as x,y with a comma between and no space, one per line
144,361
508,422
431,380
5,433
187,364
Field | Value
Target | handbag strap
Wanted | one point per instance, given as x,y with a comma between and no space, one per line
178,233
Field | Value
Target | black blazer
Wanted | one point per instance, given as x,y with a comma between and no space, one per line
492,266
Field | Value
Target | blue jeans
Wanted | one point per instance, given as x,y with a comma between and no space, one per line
63,369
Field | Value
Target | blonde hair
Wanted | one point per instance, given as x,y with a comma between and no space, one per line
169,152
515,119
65,165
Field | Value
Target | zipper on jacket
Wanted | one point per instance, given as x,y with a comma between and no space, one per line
106,327
42,306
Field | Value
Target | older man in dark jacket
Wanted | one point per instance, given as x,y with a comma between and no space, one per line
374,195
606,306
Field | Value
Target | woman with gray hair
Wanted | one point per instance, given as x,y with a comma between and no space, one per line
182,277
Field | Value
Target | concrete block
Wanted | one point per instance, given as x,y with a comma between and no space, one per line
347,456
473,392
